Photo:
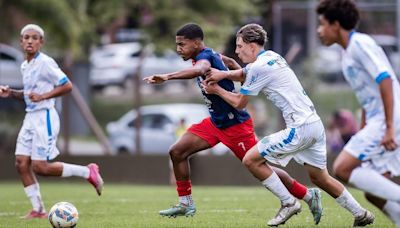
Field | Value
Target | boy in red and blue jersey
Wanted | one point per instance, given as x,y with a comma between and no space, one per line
233,127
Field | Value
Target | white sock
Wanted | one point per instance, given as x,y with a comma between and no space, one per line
275,185
347,201
307,197
33,193
392,209
371,181
187,200
75,170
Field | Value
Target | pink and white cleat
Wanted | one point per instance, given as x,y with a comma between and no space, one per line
95,178
35,214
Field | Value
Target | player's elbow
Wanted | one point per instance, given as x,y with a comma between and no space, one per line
201,71
240,105
68,87
241,102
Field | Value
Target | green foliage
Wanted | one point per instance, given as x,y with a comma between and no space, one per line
138,206
218,19
73,25
59,19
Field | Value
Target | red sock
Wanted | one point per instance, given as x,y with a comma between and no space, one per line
184,188
298,190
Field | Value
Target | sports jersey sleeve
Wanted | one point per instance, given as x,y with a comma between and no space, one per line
256,80
368,55
203,56
56,75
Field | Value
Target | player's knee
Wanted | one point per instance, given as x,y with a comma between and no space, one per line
22,165
340,171
248,162
175,153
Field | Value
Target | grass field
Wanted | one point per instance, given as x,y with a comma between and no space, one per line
137,206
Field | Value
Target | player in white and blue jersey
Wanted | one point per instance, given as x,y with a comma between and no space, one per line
36,143
228,125
304,137
374,149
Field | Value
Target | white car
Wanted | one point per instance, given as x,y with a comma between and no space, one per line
158,127
10,63
116,64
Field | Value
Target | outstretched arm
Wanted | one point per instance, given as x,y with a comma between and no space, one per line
6,92
215,75
236,100
386,90
56,92
230,63
200,68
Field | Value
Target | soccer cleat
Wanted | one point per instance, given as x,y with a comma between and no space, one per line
366,219
179,210
95,178
315,204
285,213
35,214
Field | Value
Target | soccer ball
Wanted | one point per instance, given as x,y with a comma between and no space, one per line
63,214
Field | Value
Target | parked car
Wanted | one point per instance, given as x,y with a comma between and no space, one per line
10,63
116,64
158,126
10,74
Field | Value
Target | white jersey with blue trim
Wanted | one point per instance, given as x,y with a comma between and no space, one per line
364,66
272,75
41,75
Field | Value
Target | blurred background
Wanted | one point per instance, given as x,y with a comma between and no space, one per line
107,47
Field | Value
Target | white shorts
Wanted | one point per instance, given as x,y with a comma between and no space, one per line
366,146
38,135
306,144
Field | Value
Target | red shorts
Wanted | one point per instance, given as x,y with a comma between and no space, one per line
239,138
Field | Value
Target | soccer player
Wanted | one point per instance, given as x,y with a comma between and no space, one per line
304,138
36,144
374,149
233,127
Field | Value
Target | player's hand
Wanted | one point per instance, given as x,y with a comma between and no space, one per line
214,75
5,91
156,79
35,97
388,140
210,88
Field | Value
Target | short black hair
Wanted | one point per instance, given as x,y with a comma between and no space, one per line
253,33
343,11
191,31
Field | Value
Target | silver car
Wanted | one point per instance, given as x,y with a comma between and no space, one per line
158,127
116,64
10,63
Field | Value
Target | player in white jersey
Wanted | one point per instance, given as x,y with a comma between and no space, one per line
36,143
374,149
303,139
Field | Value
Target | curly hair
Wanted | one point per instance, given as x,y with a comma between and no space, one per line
343,11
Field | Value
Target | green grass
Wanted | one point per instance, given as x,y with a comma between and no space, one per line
138,206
